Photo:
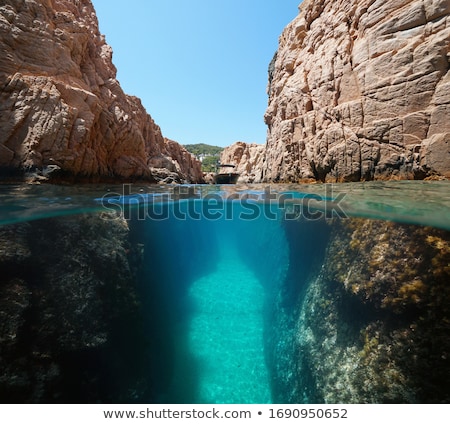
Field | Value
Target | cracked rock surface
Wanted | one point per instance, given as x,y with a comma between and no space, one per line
359,90
62,106
248,159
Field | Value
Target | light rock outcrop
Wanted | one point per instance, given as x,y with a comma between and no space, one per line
184,163
248,159
62,106
360,90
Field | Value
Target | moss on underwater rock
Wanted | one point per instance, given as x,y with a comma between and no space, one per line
374,322
70,318
400,274
392,266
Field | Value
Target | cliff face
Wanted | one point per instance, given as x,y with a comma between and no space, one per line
60,102
184,163
359,90
248,158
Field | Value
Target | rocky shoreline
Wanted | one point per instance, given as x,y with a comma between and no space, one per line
62,108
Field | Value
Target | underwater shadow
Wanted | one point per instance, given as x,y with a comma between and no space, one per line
175,254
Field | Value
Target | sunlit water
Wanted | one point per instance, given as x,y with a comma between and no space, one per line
215,254
226,334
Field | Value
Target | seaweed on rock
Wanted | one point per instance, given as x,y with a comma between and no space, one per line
372,325
71,325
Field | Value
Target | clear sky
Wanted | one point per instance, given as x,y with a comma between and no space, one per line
199,66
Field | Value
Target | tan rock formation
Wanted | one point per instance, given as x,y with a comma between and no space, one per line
181,162
60,102
248,158
360,90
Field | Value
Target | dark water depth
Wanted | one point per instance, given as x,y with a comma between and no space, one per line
237,294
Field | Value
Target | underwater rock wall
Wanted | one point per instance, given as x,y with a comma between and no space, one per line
307,242
359,90
62,108
371,324
71,326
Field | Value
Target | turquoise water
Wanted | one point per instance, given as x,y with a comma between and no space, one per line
226,333
215,259
214,299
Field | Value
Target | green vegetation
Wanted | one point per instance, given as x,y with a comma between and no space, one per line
203,149
207,154
209,163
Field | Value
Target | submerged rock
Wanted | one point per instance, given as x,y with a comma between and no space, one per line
71,325
61,104
371,324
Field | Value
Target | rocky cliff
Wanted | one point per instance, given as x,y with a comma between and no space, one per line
61,106
359,90
248,159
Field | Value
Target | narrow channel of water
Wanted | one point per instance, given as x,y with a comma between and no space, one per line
226,334
207,284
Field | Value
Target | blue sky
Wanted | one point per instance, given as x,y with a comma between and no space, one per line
199,66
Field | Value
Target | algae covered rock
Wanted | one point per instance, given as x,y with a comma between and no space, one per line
372,324
71,325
